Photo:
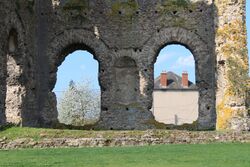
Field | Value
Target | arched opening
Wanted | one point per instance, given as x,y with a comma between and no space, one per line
77,89
15,89
175,95
126,80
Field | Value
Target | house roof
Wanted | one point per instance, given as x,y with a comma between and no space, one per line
174,82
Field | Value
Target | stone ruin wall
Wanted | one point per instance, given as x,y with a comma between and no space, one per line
125,37
232,64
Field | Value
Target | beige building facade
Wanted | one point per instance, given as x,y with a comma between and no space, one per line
175,99
175,106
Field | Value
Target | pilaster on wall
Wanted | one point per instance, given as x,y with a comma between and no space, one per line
2,64
2,88
45,98
232,64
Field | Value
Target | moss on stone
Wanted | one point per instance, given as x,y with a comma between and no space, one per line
192,126
225,113
18,6
78,10
125,10
130,6
179,22
175,5
30,6
224,116
156,124
159,125
237,85
76,5
235,53
248,97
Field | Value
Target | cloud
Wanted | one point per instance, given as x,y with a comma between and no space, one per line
162,59
82,67
184,61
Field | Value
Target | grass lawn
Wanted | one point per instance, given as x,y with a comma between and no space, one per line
40,133
211,155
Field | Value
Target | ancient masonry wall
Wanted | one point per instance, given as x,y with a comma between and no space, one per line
232,64
2,76
125,37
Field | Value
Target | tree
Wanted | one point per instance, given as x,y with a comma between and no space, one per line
79,104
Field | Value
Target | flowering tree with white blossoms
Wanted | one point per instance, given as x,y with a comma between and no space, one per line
79,105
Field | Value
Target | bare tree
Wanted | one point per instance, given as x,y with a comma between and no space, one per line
79,104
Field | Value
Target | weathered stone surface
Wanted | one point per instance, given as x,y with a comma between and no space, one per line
125,37
232,64
149,138
240,123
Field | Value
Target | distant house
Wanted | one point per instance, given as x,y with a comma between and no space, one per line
175,99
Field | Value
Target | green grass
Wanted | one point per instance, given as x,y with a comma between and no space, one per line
13,133
40,133
212,155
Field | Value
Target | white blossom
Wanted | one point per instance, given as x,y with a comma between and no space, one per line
79,105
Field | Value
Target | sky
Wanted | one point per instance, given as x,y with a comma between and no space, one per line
175,58
80,65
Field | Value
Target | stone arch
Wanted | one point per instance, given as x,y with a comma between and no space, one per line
204,67
71,40
65,43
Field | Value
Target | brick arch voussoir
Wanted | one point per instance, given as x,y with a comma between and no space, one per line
177,35
75,37
204,68
60,48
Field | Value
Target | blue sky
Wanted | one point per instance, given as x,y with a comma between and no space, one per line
80,65
175,58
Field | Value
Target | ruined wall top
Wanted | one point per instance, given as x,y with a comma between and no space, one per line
120,24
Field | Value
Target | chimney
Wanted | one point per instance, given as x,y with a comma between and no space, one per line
185,79
163,80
